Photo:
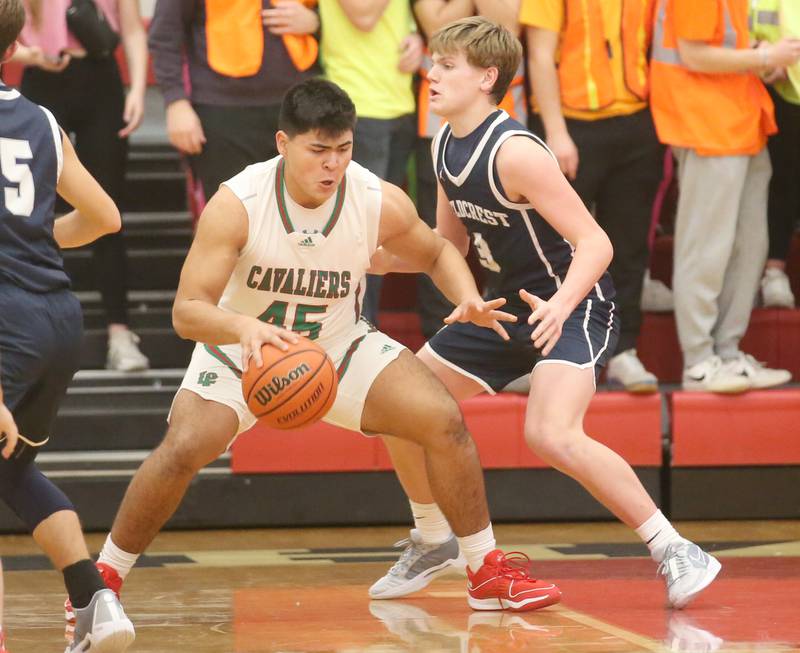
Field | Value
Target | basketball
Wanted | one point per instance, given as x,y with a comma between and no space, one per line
293,388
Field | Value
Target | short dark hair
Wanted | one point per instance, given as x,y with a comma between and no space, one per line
12,19
316,105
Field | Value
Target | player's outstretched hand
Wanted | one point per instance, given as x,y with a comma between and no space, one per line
550,318
257,333
8,429
483,314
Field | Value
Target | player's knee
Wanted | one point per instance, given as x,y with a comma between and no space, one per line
549,439
29,494
185,452
448,426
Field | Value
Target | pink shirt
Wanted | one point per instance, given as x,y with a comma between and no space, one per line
52,34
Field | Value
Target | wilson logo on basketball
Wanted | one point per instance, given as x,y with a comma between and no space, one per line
270,390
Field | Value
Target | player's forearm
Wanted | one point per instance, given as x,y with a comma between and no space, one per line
201,321
591,259
76,229
452,276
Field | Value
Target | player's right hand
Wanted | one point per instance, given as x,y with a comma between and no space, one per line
8,429
184,129
566,153
256,333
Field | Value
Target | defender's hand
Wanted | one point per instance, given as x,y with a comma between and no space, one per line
256,333
550,317
483,314
8,428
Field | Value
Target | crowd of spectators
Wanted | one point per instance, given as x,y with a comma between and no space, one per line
608,86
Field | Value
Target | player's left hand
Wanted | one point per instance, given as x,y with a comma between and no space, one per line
133,114
550,316
8,429
483,314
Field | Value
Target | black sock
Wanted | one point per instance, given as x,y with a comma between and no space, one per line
82,580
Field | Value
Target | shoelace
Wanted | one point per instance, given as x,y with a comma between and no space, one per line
410,550
682,565
516,565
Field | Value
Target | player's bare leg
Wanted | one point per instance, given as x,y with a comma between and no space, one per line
410,403
198,434
407,401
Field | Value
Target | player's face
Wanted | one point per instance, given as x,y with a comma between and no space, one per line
455,84
315,164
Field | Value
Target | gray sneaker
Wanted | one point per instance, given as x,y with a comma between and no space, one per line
102,627
687,570
418,565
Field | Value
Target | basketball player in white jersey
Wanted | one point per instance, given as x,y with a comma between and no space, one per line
281,249
500,187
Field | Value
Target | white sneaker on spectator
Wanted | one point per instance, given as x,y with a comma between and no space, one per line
626,369
759,375
776,291
123,352
712,375
656,296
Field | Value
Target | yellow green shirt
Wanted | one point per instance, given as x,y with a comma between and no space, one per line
772,20
365,63
549,15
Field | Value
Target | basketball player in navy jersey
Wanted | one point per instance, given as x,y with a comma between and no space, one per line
501,188
40,334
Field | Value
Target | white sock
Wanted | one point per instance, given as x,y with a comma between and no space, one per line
430,522
657,533
476,546
115,557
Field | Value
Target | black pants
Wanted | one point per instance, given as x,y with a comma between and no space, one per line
432,305
784,189
236,137
87,100
384,148
620,161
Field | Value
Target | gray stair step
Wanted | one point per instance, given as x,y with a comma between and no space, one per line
148,269
161,345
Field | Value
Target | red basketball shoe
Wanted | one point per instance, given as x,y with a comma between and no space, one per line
110,578
504,583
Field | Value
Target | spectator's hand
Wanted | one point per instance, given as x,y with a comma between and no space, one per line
35,56
774,75
783,53
290,17
483,314
550,315
133,113
8,428
412,49
184,128
566,153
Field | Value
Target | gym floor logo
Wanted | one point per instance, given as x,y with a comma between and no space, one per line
207,378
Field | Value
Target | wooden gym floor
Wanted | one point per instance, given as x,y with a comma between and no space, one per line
306,590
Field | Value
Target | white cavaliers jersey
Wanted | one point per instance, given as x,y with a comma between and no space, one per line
304,269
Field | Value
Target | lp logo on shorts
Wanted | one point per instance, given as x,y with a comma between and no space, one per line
207,378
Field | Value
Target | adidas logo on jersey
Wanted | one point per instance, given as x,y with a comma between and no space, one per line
308,241
386,348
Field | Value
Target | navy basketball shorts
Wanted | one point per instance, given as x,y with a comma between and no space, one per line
40,346
588,337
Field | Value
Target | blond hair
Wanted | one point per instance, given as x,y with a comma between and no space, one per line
485,45
12,19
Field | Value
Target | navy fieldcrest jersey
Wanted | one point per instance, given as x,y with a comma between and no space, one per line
30,164
518,248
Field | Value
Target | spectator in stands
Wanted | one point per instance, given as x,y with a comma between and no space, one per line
370,48
587,65
241,60
80,83
770,20
711,107
433,307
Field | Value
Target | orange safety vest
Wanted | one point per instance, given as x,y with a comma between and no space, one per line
584,68
714,114
428,123
235,38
